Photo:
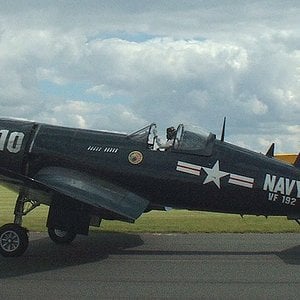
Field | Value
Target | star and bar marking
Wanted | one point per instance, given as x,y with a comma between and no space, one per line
214,174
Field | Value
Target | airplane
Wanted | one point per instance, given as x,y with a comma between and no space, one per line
85,176
288,157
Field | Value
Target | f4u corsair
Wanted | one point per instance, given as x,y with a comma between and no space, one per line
85,176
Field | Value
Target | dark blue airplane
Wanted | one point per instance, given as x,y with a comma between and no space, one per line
85,176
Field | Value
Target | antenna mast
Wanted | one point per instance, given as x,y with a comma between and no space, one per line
223,130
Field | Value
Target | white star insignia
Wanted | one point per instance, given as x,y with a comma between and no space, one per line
214,174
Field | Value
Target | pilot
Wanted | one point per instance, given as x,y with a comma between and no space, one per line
171,134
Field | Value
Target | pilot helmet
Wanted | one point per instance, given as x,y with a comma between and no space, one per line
171,133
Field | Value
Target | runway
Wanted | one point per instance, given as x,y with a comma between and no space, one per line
149,266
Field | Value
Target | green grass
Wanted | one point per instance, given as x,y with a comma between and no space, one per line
160,222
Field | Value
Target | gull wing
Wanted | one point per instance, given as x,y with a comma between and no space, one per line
80,186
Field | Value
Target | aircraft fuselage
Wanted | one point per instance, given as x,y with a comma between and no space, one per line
230,179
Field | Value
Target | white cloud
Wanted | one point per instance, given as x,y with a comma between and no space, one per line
253,106
102,90
50,75
197,63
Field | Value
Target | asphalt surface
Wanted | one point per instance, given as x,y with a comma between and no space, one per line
146,266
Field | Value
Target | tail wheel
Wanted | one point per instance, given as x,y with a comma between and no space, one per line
60,236
13,240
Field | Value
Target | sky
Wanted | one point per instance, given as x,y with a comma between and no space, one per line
120,65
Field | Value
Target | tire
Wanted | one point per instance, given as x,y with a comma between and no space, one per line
60,236
13,240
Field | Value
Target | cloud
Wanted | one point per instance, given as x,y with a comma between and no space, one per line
125,64
102,90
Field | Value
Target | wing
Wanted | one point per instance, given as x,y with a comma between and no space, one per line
79,186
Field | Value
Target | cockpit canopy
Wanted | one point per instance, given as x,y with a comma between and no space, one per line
188,139
145,135
192,138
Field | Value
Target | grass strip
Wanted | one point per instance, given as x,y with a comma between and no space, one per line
174,221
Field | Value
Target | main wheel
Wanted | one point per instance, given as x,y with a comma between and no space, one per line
60,236
13,240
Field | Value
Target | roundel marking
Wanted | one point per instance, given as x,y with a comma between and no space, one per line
135,157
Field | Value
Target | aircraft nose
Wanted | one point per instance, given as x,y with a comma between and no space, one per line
14,135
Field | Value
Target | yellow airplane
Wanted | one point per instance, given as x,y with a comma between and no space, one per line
289,158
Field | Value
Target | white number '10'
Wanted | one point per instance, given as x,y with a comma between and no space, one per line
14,140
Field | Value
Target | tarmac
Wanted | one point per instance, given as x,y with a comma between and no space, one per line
156,266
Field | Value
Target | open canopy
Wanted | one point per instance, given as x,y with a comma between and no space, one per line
188,138
192,138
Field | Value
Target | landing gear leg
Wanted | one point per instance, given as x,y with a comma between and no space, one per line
14,237
19,208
